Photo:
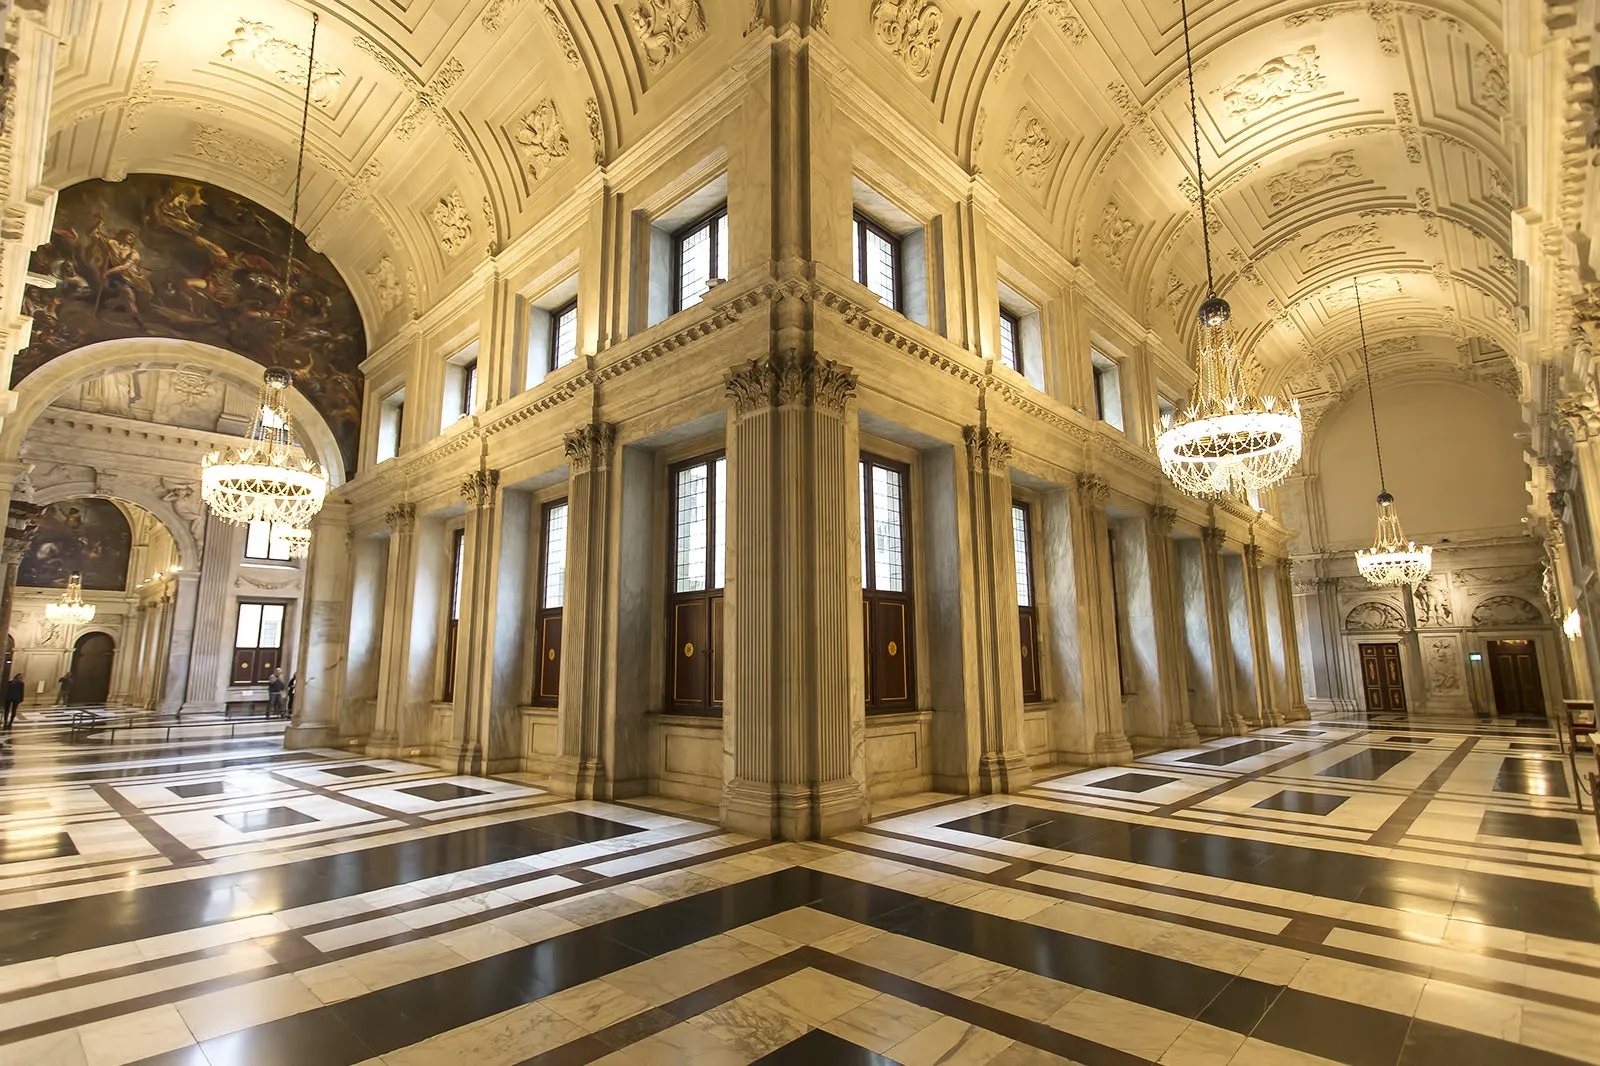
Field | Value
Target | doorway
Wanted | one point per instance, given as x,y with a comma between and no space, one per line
1514,673
1381,678
91,668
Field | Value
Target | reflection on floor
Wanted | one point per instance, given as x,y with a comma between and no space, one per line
1403,892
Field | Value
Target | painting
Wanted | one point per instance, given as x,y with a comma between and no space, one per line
157,256
87,536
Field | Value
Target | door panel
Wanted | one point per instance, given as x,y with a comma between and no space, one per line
549,683
890,659
690,630
1030,654
1382,682
1514,676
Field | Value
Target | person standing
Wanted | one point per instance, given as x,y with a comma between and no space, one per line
64,690
15,691
275,694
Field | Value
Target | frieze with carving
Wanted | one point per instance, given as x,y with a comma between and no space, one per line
1501,611
1372,617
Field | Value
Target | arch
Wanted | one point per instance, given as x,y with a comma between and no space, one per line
40,388
92,656
186,535
1373,616
1502,611
85,535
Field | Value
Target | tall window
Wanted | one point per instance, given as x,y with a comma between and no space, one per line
1107,390
876,252
458,547
469,387
1027,628
552,595
1116,610
700,254
699,522
257,642
265,540
886,581
391,420
563,335
1010,340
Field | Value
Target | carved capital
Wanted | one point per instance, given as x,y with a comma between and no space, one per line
786,381
401,517
1252,553
589,447
1214,537
1163,517
1286,568
749,387
478,488
833,385
1095,489
987,450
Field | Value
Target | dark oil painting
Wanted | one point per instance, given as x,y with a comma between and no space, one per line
87,536
157,256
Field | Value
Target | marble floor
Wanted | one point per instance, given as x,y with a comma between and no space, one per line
1386,892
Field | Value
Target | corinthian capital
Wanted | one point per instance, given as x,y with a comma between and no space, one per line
987,449
1163,517
1095,489
478,488
789,381
401,517
1214,536
589,447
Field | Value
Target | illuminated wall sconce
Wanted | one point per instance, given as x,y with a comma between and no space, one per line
1572,625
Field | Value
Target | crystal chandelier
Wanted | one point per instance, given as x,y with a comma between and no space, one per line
268,478
1392,559
70,609
298,540
1227,441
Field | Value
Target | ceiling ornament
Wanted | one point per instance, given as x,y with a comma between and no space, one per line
386,285
1495,187
267,477
1406,119
1175,297
1066,20
1229,441
1030,148
1489,80
453,222
1383,20
1278,79
978,125
430,100
494,16
139,99
1430,221
1338,296
235,151
1115,233
665,29
597,136
911,30
285,60
1311,175
192,389
1392,560
1341,242
70,610
540,138
1138,118
562,34
1441,274
357,186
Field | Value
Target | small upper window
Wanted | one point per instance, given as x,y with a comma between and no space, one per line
1010,340
265,540
391,421
700,258
876,254
469,388
1107,390
563,335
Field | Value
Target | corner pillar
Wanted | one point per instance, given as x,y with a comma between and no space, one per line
395,654
320,673
1097,622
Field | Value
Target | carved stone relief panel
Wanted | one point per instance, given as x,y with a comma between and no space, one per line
453,222
540,138
910,29
1441,661
1340,242
1502,610
1373,616
1279,79
1311,175
666,28
1116,232
1031,147
284,59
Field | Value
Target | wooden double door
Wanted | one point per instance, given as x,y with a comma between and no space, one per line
1514,675
1381,678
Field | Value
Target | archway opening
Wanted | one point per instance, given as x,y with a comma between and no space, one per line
89,681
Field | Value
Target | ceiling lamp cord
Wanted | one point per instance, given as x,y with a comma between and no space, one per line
300,163
1372,396
1199,170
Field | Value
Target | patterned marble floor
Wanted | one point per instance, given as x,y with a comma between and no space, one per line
1397,892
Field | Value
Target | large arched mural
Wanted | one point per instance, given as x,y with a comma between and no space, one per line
157,256
87,536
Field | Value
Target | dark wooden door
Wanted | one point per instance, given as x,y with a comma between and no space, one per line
91,668
1381,678
1514,673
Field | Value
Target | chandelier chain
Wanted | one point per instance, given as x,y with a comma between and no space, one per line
300,159
1372,397
1199,170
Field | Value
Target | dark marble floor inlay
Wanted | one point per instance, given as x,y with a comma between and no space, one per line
353,771
24,846
266,818
1529,745
198,789
1531,776
1233,753
1301,733
821,1046
1409,740
1368,765
1543,828
440,791
1297,802
1133,782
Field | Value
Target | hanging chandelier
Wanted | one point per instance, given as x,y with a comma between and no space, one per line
298,540
1228,441
70,609
269,478
1392,560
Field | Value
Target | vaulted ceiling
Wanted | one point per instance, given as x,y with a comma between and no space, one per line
1339,139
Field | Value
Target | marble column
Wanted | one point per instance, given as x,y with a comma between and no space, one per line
363,614
1224,685
1267,705
582,767
319,670
182,617
471,744
20,527
1002,746
394,662
1097,623
125,670
793,728
1294,709
213,634
1172,655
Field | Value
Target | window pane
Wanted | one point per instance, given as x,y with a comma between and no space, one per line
248,635
722,248
691,529
566,335
271,626
866,534
256,540
719,550
1019,545
694,266
1008,341
555,556
277,547
469,388
457,550
880,266
888,539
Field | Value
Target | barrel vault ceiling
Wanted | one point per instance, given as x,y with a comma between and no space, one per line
1352,138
